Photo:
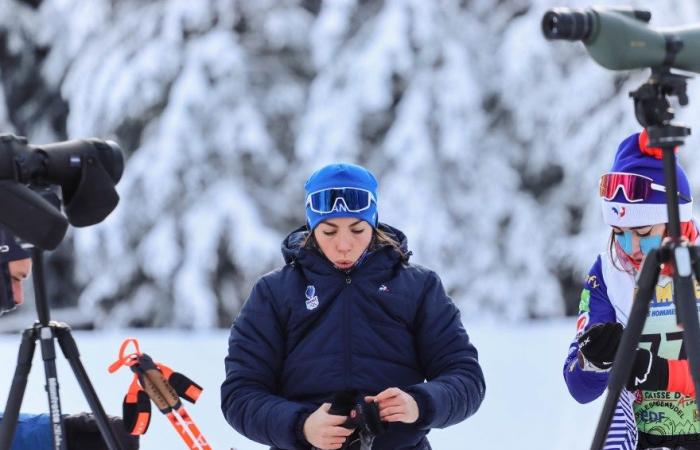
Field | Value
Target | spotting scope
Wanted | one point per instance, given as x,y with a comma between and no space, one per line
621,38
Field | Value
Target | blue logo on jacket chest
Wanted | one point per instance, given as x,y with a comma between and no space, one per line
311,298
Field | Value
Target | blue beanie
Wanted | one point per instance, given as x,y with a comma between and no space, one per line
341,176
10,250
635,156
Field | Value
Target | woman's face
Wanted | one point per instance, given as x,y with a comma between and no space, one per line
343,240
630,238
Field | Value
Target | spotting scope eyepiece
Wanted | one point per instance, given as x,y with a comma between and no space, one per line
568,24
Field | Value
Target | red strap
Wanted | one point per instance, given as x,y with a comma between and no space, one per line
126,360
132,393
167,371
142,422
655,152
193,392
679,379
136,409
690,231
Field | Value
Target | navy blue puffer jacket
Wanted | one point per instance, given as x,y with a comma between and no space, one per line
309,330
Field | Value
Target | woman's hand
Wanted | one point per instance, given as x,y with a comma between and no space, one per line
323,430
395,405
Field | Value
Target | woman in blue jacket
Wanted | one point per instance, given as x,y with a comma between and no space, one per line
348,313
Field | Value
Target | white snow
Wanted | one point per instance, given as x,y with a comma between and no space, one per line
527,405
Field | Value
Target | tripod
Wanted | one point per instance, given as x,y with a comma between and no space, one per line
46,331
654,113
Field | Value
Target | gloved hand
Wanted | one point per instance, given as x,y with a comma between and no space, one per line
597,346
649,372
362,417
82,433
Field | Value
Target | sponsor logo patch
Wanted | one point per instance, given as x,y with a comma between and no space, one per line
619,212
581,323
592,281
311,298
585,303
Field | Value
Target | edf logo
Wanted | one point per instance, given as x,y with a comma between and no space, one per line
651,416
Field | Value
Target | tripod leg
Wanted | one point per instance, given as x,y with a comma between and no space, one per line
19,384
48,354
70,351
622,365
686,305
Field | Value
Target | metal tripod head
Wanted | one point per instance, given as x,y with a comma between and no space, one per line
651,105
653,111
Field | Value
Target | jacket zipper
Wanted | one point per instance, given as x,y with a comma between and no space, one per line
347,328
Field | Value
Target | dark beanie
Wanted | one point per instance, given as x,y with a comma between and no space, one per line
10,250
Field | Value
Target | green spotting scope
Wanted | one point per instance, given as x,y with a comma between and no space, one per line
621,39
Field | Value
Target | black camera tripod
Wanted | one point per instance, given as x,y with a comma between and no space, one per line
46,331
653,112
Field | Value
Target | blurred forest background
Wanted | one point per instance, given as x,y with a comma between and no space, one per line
488,141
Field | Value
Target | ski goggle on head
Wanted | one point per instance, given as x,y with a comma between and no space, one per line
636,188
348,199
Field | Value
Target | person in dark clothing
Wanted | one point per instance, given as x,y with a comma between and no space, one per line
33,431
17,267
348,313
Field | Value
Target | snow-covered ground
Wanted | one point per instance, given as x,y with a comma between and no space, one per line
526,406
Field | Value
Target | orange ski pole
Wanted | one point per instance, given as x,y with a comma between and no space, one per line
194,429
189,441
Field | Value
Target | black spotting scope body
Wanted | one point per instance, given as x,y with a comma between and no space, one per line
620,38
86,171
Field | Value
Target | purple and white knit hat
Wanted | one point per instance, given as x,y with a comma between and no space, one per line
635,157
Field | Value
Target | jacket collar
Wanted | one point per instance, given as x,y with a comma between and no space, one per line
312,260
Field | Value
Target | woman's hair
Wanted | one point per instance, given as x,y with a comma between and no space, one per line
380,238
